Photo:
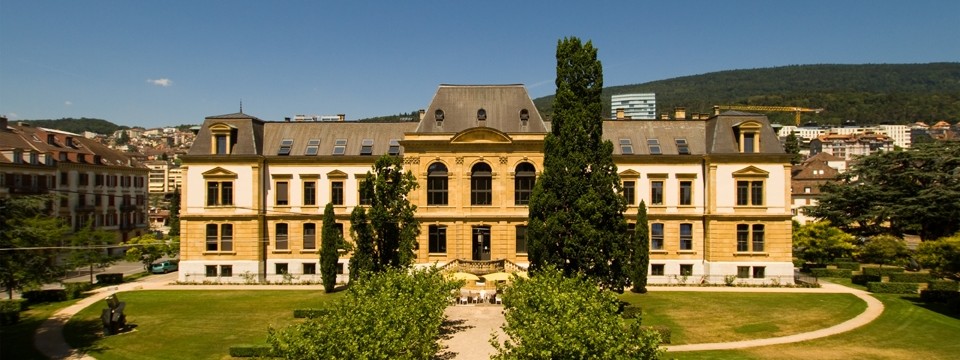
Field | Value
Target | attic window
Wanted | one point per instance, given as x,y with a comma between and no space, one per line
394,147
439,116
682,147
313,146
51,139
654,146
626,147
285,146
524,117
340,147
481,115
366,148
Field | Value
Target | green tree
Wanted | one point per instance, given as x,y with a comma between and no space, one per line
791,145
550,316
174,209
122,138
394,228
148,248
910,191
883,249
576,212
90,249
331,242
28,234
641,251
819,242
942,256
363,244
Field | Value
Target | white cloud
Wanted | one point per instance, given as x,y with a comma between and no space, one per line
67,103
164,82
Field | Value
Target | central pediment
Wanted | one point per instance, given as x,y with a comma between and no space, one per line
481,135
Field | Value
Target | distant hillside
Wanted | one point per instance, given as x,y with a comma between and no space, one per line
881,93
78,126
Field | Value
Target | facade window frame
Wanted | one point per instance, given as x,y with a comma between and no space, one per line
481,184
525,178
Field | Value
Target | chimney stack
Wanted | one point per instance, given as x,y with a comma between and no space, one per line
680,113
716,110
620,115
287,119
3,123
664,116
341,117
423,112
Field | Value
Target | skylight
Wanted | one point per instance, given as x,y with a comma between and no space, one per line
654,146
626,147
340,147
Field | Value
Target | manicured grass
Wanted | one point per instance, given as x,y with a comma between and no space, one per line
189,324
906,330
706,317
16,341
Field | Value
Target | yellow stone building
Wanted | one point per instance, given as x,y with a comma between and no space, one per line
717,188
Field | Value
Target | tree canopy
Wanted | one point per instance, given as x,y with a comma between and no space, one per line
28,235
883,249
576,210
331,242
147,248
820,242
90,249
941,255
388,229
906,191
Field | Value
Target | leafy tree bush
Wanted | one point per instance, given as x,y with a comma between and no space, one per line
362,234
148,248
819,242
390,228
883,249
550,316
395,314
27,228
90,249
942,256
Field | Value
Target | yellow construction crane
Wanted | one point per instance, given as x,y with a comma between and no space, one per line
795,109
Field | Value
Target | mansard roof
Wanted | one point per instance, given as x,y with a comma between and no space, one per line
721,133
502,104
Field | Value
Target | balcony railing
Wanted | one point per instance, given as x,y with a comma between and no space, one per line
482,267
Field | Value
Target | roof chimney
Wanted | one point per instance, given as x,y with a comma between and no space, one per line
620,114
287,119
664,116
3,123
341,117
423,112
680,113
716,110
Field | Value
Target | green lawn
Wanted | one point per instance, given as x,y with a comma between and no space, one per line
16,341
706,317
189,324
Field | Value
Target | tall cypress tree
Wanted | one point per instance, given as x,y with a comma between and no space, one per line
363,248
330,241
576,211
641,251
390,220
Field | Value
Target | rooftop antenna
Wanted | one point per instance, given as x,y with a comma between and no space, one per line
241,106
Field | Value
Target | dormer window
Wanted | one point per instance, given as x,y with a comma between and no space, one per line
223,138
748,137
682,147
524,117
285,146
51,139
17,157
394,147
481,115
439,116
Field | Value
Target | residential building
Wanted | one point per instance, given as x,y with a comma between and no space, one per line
717,188
634,106
806,180
850,146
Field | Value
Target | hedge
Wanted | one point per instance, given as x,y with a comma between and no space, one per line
938,295
664,332
943,285
808,267
10,311
262,350
892,288
838,273
884,271
110,279
911,277
75,290
309,313
864,279
42,296
849,265
632,312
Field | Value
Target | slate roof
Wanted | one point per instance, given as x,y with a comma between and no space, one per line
666,132
328,132
721,136
502,103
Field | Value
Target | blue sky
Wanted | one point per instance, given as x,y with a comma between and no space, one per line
160,63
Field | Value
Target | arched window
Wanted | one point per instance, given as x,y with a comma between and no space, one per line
481,185
526,176
437,184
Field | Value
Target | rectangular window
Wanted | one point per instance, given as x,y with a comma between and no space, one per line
521,239
743,272
682,147
743,237
743,194
626,148
226,237
285,146
281,268
340,147
281,237
629,191
309,268
366,147
758,237
313,147
656,269
748,139
686,236
756,193
686,270
656,192
309,193
656,236
64,178
212,237
226,270
654,146
340,268
759,272
686,192
309,236
438,239
211,270
219,193
394,149
362,195
283,193
222,144
84,179
336,192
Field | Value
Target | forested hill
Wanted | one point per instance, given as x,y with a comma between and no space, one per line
868,94
78,126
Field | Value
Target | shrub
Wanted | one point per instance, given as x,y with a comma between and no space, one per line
938,295
910,277
864,279
840,260
75,290
42,296
892,288
664,332
808,267
262,350
849,265
838,273
10,311
310,313
632,312
943,285
884,271
109,279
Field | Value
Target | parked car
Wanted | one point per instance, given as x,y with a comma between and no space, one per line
164,267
